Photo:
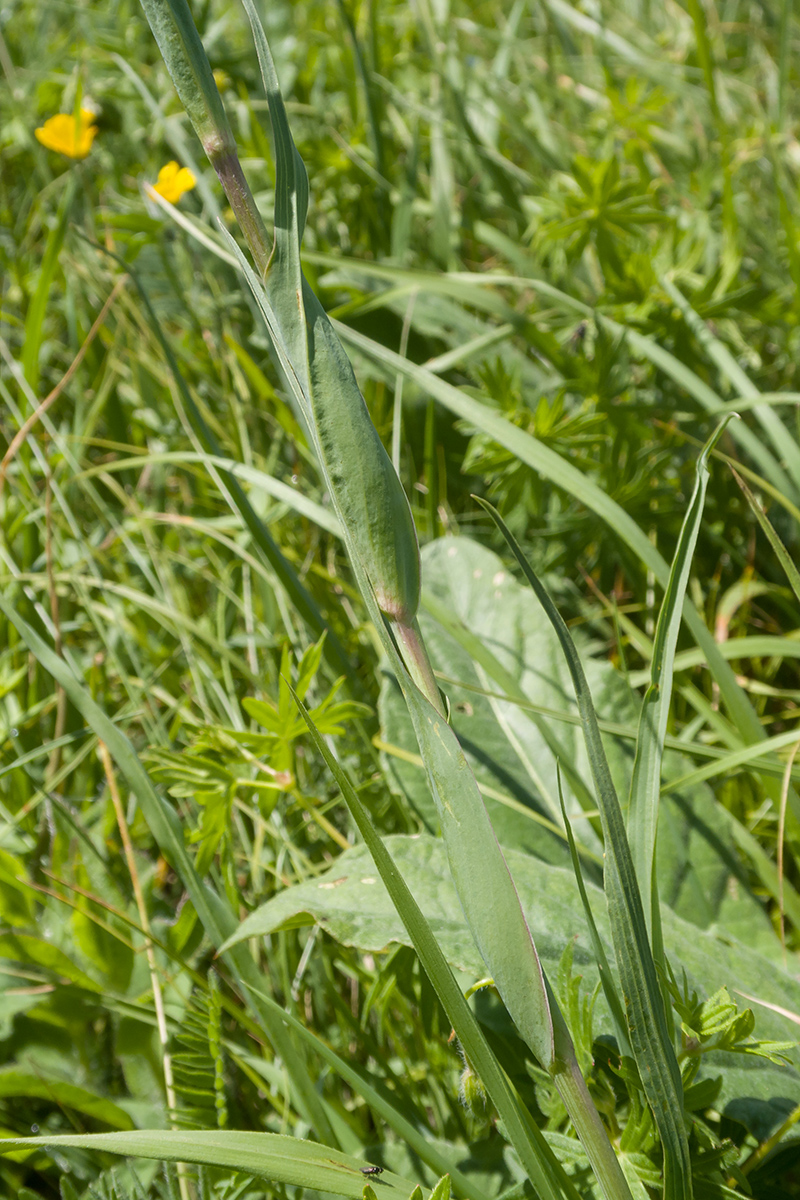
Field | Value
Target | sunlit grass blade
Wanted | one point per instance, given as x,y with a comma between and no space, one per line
274,487
647,1024
782,438
781,553
646,779
215,915
270,1156
747,756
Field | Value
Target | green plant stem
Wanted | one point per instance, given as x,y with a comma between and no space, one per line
237,189
760,1152
415,657
592,1132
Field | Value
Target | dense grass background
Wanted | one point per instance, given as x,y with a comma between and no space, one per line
616,152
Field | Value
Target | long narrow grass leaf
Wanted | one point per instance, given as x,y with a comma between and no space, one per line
646,777
272,1156
782,439
781,553
647,1024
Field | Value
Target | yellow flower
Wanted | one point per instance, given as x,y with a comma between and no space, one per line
173,181
67,135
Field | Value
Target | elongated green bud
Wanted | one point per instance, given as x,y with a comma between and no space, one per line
366,488
187,62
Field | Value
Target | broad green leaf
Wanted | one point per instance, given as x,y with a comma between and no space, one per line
647,1025
265,1155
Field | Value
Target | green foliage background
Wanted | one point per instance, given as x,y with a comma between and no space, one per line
585,216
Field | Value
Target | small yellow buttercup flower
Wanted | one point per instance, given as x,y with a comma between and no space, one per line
68,135
173,181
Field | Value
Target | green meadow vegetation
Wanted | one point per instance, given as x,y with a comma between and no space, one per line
399,600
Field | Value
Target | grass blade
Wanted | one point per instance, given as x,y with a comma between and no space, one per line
782,554
782,440
649,1033
270,1156
603,965
646,778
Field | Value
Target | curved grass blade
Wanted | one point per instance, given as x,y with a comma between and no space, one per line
747,756
271,1156
216,917
782,440
782,554
647,1023
262,480
646,778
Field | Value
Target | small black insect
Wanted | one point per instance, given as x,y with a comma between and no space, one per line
372,1170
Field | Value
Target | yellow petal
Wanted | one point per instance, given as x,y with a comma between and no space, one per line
65,135
173,181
